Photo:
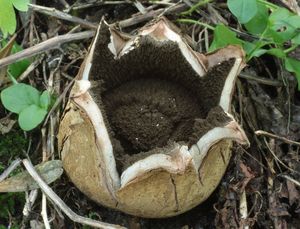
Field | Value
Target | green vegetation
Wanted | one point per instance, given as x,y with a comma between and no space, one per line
8,22
277,31
26,101
11,146
30,104
17,68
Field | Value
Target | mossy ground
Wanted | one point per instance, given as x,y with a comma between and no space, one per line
12,145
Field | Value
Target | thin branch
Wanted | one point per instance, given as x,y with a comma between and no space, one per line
59,202
52,43
290,179
30,199
277,158
261,80
11,168
63,16
44,212
261,132
150,15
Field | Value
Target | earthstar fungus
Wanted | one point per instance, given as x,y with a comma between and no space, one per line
147,129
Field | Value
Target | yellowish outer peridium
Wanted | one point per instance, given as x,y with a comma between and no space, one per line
156,193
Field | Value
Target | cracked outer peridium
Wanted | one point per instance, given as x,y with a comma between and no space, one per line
160,185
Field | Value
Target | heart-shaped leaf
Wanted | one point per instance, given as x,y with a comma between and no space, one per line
260,21
31,117
223,37
244,10
19,96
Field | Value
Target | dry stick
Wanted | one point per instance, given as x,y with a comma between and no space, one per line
52,43
150,15
277,158
59,202
30,199
140,7
29,69
62,15
11,168
244,208
44,212
290,179
271,192
58,101
261,80
261,132
94,4
55,42
44,200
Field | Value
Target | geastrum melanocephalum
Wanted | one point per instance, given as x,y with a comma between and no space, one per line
147,129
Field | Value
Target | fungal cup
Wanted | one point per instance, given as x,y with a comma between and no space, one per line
147,129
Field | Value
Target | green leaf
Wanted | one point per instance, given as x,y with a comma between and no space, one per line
258,52
293,65
254,49
282,25
296,39
8,21
244,10
19,96
21,5
45,100
31,117
223,37
259,22
17,68
279,14
277,52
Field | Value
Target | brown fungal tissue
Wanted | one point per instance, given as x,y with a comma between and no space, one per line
156,117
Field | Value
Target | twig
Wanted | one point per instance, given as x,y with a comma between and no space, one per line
11,168
59,202
261,132
62,15
44,212
244,208
270,187
58,101
290,179
261,80
150,15
100,3
30,199
140,7
30,68
277,159
196,6
52,43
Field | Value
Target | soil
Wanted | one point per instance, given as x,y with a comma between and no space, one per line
265,172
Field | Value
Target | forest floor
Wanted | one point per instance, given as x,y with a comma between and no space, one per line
266,102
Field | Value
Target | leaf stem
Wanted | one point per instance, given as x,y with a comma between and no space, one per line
195,7
191,21
293,47
269,4
13,80
257,46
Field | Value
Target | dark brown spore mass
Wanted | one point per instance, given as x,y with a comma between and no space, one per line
147,112
152,95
